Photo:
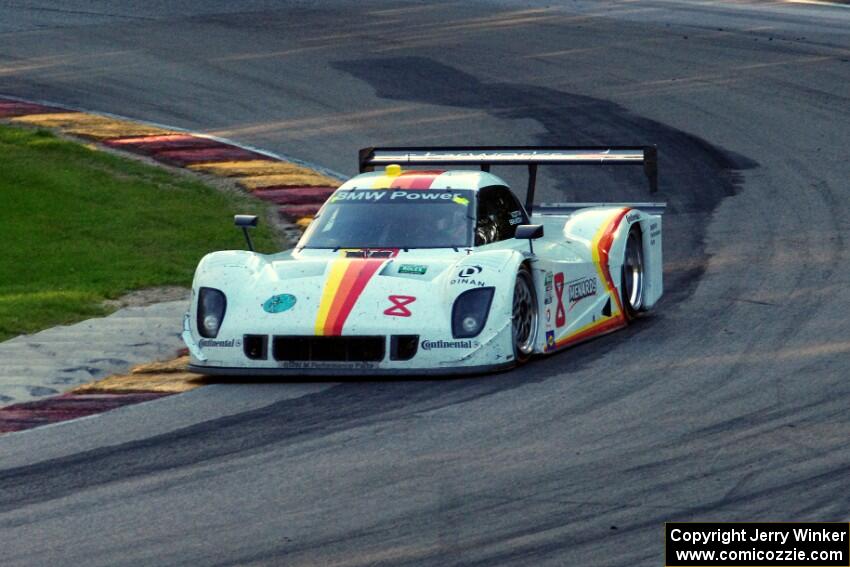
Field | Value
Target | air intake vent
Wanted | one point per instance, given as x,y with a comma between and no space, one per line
370,253
342,349
403,347
256,347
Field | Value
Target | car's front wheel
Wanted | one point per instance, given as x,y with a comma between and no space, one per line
524,315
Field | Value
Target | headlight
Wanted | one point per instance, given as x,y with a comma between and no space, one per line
211,307
469,314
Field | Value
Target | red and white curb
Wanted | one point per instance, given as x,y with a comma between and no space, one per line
297,188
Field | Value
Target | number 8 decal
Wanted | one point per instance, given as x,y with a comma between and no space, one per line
560,313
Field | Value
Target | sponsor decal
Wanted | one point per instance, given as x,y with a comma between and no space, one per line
399,303
579,289
359,196
429,345
327,365
369,252
654,232
547,288
422,196
396,196
412,269
279,303
633,216
464,276
468,281
560,312
469,271
223,343
548,315
516,217
550,340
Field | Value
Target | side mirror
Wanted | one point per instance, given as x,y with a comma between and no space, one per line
246,222
529,232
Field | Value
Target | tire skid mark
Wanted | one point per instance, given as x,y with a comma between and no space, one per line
710,173
343,407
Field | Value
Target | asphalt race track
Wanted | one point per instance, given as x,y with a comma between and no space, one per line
729,403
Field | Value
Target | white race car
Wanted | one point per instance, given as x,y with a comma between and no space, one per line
431,272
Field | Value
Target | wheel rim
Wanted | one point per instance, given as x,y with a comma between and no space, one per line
524,315
633,272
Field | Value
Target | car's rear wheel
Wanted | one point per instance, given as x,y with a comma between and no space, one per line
633,273
524,315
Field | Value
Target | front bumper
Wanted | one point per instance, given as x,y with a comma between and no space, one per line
189,341
490,352
371,371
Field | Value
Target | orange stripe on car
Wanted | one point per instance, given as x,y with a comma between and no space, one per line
416,179
346,281
592,330
342,296
601,248
365,270
382,182
332,283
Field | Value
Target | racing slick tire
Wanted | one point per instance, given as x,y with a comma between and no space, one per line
633,275
524,321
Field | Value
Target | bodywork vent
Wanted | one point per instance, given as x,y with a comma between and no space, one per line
340,349
403,347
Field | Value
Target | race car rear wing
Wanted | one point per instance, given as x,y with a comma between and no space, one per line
530,156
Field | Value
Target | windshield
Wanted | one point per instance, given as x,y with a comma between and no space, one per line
386,218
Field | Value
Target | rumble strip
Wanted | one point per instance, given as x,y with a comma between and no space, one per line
298,190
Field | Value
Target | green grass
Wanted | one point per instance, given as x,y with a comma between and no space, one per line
78,226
